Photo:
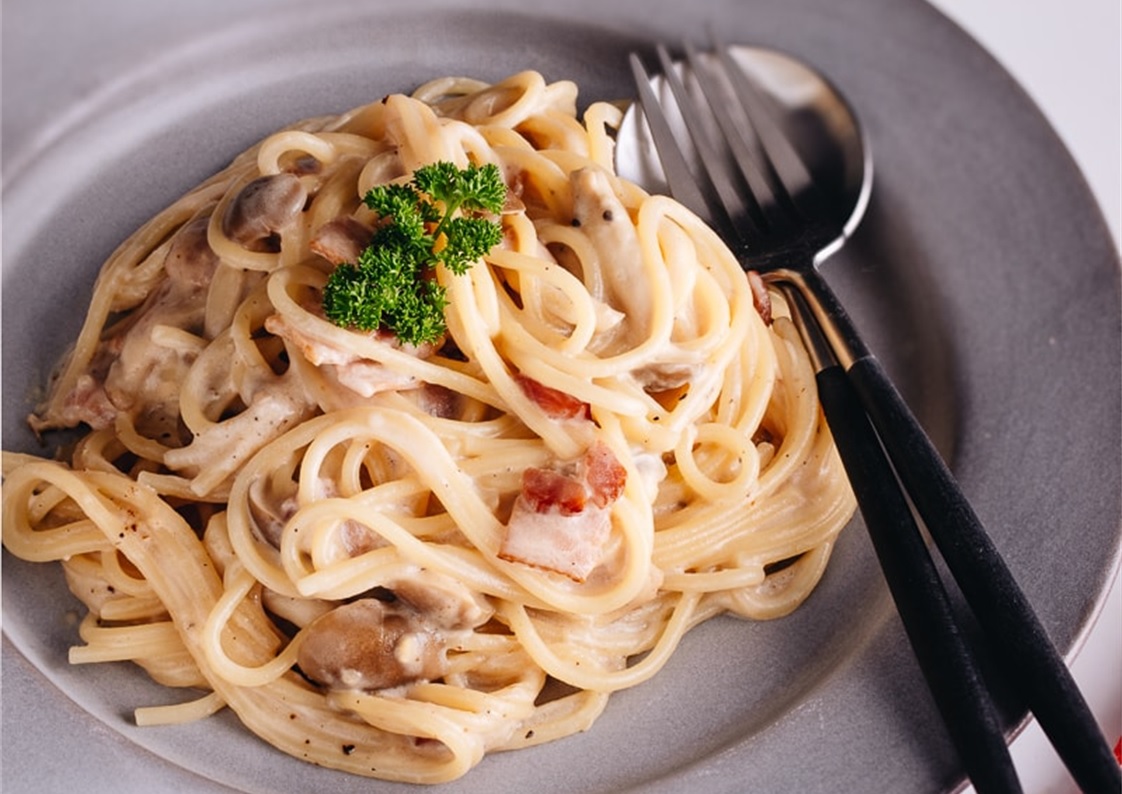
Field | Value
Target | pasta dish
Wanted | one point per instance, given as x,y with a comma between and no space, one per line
392,553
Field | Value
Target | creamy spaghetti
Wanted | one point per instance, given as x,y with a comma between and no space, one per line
393,559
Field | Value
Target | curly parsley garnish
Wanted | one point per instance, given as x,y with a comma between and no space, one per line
439,218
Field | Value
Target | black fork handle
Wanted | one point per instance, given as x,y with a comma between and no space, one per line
925,609
1023,648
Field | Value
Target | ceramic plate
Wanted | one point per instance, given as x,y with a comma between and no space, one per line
983,276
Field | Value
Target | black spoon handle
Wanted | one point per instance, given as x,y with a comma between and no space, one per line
921,600
1027,655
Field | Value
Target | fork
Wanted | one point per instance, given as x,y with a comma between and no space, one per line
763,199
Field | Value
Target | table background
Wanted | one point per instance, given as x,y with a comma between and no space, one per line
1068,57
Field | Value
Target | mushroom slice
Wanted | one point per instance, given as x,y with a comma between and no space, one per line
367,645
262,209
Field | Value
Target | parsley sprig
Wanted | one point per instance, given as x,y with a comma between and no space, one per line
439,218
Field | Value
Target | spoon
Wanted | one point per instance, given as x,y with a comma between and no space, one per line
768,241
811,135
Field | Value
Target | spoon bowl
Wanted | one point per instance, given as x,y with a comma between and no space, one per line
811,116
785,197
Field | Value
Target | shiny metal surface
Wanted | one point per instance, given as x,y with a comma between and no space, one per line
736,158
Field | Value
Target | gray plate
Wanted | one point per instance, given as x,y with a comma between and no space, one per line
983,275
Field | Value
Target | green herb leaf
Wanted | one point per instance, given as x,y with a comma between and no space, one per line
432,221
479,188
468,240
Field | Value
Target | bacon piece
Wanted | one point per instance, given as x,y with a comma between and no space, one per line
761,298
604,474
545,489
566,544
363,376
555,403
341,240
88,403
129,373
562,518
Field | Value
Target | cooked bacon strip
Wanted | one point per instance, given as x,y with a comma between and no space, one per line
604,474
129,373
544,490
362,376
555,403
566,544
341,240
562,519
761,298
87,402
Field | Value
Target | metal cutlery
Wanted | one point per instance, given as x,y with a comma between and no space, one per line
737,162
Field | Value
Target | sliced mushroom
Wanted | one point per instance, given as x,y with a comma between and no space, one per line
664,376
438,401
442,601
610,275
299,612
190,261
368,645
400,637
270,507
262,209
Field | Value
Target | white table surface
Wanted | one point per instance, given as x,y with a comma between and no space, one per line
1068,56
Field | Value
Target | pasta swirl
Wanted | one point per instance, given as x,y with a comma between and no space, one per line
384,557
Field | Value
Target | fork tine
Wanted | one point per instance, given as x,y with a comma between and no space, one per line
679,178
759,191
790,176
734,211
725,155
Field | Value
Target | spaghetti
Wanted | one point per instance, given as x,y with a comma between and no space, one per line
393,559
